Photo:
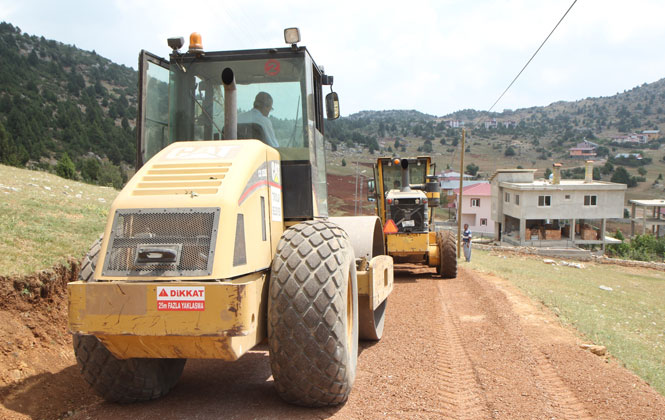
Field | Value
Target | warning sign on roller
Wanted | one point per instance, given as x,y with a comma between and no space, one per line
180,298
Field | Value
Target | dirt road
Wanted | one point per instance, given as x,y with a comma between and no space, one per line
468,348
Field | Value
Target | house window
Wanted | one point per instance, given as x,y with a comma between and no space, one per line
507,197
566,197
590,200
517,199
475,202
483,222
544,200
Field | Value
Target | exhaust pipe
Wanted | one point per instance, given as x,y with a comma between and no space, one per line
230,105
406,177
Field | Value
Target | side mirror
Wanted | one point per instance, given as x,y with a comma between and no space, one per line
332,106
371,190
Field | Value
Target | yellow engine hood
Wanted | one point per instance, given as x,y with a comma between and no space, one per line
240,181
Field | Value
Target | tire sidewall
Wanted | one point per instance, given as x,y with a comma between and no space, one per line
304,348
353,356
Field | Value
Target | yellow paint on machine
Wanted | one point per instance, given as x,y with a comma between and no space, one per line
203,175
125,317
407,243
376,283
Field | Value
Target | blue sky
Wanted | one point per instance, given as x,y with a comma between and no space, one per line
433,56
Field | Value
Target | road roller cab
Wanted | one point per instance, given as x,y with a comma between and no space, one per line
222,237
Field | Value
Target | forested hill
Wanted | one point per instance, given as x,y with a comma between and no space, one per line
549,130
57,99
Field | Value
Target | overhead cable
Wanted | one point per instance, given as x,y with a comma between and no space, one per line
532,57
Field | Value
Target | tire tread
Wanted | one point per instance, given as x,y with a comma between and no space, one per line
306,328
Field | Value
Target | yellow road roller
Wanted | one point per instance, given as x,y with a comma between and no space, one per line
222,240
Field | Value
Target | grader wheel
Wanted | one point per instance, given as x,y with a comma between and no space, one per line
121,380
447,267
313,315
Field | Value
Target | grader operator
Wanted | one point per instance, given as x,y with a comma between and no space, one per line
222,239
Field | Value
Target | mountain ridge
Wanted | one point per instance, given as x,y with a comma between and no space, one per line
58,100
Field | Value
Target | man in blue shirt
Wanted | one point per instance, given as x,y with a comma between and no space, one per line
259,115
466,242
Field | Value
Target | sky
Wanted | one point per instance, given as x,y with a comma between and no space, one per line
436,57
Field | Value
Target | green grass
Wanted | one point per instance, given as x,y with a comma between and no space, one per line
40,227
629,320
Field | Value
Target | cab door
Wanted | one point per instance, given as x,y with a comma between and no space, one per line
152,126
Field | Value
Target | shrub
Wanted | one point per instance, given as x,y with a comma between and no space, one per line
472,169
90,168
65,167
110,175
641,248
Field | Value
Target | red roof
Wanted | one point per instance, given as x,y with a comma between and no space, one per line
484,189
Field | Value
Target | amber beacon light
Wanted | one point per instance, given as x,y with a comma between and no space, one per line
195,43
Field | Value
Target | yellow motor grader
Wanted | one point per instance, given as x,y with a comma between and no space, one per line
406,192
221,240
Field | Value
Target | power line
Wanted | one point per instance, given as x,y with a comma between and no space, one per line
532,57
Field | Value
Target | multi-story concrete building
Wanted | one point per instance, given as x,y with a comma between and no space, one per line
556,213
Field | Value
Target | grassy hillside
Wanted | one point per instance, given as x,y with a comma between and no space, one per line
44,219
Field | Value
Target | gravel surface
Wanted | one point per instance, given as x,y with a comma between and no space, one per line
472,347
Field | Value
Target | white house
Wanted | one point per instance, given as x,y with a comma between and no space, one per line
557,213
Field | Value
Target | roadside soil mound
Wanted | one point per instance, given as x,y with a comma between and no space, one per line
35,344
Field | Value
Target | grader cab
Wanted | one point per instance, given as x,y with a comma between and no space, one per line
406,193
221,240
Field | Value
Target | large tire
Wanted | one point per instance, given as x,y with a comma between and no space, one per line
118,380
128,380
89,262
447,267
313,315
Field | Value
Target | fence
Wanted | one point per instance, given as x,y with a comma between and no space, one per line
452,226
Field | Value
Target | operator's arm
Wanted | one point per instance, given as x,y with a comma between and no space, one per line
270,133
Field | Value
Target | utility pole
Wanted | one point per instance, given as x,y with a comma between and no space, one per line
360,206
355,204
459,196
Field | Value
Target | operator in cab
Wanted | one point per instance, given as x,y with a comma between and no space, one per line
259,115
